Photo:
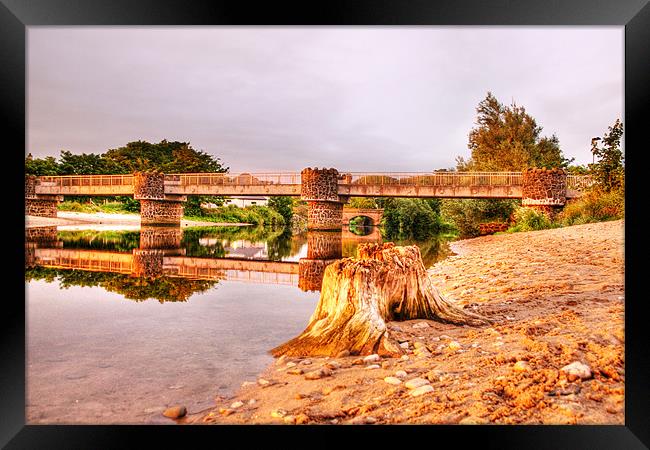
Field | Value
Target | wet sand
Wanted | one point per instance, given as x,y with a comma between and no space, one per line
556,296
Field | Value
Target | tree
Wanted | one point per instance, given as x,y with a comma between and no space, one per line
41,166
508,139
359,295
283,206
609,171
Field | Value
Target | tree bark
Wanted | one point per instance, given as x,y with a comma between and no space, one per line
359,295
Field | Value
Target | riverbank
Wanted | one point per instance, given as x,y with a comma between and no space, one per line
78,218
557,298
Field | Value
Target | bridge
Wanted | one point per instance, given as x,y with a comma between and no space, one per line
375,215
325,190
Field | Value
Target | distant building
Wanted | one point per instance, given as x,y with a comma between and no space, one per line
242,202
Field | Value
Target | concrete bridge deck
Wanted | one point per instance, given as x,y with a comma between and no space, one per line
351,184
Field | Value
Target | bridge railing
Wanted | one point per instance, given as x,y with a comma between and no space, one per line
233,179
87,180
434,178
579,182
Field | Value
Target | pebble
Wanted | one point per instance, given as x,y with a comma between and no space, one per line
405,357
454,345
306,362
421,325
175,412
289,419
400,374
343,353
295,371
302,418
371,358
422,390
263,382
404,344
291,364
373,366
521,366
361,420
278,413
393,380
472,421
237,404
252,401
225,411
576,370
318,374
444,336
416,383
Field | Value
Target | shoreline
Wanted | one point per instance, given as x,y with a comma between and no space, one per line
70,218
557,297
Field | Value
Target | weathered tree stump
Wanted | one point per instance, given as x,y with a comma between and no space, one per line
359,295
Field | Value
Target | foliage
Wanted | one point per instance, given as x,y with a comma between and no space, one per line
283,206
508,139
41,166
119,241
128,205
594,206
362,203
466,215
609,171
411,218
254,214
164,289
530,219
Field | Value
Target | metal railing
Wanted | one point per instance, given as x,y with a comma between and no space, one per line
433,178
234,179
579,182
87,180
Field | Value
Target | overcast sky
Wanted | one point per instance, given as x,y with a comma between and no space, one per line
284,98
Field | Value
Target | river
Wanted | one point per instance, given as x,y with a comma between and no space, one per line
123,323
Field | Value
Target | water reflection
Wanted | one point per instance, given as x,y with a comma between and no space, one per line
170,263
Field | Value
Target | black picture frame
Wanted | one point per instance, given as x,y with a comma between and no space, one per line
16,15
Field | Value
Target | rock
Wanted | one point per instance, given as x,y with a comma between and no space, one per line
295,371
357,362
225,411
385,365
318,374
419,344
405,357
433,375
454,345
363,420
252,401
576,370
416,383
371,358
237,404
302,418
289,419
422,390
263,382
278,413
343,353
393,380
281,359
291,364
421,325
400,374
444,336
521,366
175,412
247,383
404,344
306,362
373,366
472,421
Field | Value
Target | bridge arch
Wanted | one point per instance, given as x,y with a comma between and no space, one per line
375,215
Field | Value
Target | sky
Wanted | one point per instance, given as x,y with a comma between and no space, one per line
384,99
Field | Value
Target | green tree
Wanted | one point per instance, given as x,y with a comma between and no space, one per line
609,171
41,166
83,164
283,206
507,138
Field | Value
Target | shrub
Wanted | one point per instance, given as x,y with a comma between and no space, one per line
594,206
466,215
530,219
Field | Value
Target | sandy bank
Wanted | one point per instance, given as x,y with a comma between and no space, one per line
78,218
556,297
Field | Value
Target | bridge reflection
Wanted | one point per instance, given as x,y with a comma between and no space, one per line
161,254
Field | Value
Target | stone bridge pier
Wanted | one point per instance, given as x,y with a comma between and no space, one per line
39,204
156,207
544,189
319,187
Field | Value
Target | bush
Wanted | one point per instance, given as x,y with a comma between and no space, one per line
466,215
256,215
406,218
594,206
530,219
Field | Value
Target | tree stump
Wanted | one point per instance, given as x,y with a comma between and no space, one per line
359,295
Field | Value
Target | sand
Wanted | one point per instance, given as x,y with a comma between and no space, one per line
556,296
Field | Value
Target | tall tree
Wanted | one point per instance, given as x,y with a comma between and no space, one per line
609,171
41,166
507,138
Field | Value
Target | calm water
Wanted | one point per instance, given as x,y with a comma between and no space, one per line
122,324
